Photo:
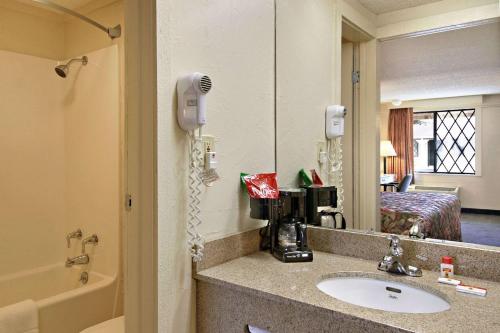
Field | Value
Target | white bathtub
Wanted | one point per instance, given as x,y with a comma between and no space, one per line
65,305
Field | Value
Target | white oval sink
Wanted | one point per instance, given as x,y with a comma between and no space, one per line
383,295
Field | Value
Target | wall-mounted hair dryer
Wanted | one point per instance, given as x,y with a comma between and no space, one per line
334,121
334,131
192,115
191,95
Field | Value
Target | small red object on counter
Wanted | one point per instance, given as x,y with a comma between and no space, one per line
262,186
315,178
447,269
447,260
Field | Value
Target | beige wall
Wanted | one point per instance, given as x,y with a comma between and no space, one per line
305,84
61,160
479,191
309,75
92,133
358,15
29,30
87,193
84,183
32,207
34,30
446,14
81,37
233,42
348,140
369,127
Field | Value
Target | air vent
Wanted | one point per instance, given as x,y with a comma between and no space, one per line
205,84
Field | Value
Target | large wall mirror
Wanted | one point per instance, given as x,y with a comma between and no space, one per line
420,145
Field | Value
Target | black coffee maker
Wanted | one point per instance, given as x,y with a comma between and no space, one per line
286,233
321,201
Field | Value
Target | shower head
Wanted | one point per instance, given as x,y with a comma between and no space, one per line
62,70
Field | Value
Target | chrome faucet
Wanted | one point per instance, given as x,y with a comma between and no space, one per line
89,240
394,262
416,230
78,260
74,234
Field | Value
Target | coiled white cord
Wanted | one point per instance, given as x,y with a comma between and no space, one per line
335,171
195,241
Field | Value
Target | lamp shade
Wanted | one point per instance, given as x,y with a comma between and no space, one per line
386,149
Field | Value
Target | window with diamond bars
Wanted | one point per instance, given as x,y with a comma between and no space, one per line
450,138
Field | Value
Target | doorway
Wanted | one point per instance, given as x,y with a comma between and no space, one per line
351,77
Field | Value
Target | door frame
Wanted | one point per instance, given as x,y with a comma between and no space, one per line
140,217
366,205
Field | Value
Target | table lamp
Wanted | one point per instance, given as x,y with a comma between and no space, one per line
386,150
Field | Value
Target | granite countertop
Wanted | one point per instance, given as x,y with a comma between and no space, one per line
264,276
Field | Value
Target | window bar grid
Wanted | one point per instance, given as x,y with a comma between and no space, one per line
442,116
435,143
439,118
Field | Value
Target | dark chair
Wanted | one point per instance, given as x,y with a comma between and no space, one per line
405,183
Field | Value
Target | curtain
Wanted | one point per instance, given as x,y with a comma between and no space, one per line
401,136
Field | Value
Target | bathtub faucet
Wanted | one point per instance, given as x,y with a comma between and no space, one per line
78,260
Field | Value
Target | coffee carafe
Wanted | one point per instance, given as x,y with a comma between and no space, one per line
287,235
292,235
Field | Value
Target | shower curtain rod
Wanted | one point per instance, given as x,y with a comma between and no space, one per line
113,32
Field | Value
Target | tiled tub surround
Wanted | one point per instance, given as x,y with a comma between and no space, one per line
259,290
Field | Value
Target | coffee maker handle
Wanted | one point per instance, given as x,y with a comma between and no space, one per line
301,235
342,219
303,227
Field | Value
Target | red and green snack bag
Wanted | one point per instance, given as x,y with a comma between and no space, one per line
262,186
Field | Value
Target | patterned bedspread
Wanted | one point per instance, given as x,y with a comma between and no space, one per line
440,213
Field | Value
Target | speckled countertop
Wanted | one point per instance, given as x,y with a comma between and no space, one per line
262,275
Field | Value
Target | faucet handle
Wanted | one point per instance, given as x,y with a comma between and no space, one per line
396,249
74,234
416,230
91,239
394,240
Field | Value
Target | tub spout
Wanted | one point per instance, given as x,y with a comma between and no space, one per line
79,260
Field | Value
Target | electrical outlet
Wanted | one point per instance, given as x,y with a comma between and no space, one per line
210,155
208,143
321,152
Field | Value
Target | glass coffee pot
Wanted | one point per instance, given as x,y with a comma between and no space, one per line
287,235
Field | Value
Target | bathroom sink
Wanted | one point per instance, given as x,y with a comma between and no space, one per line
381,294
